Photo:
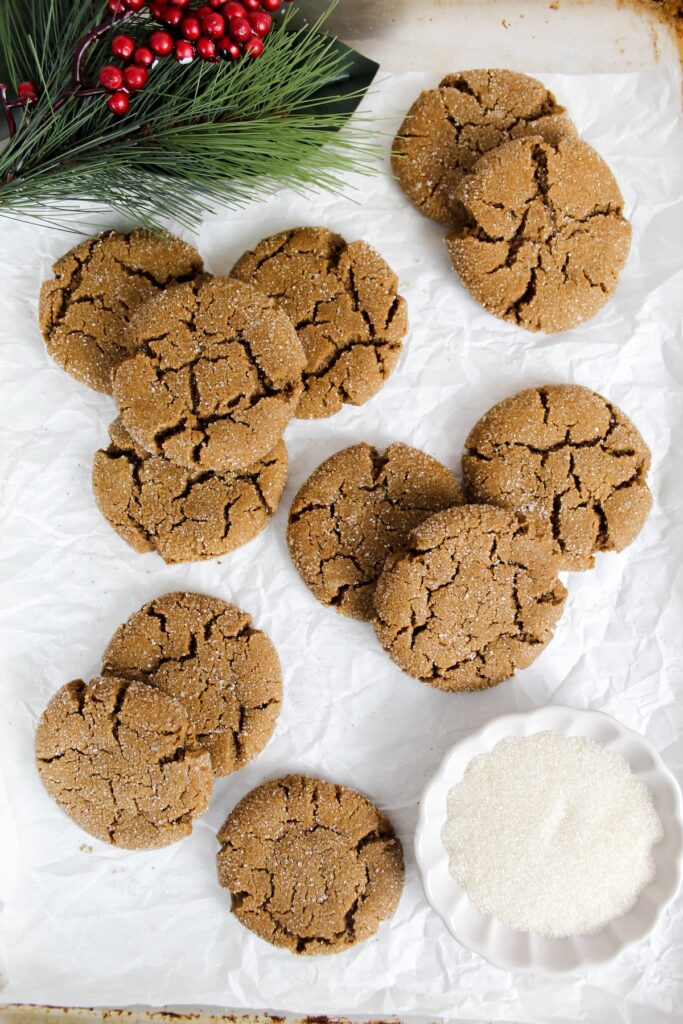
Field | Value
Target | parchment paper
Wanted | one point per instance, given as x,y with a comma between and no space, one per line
85,923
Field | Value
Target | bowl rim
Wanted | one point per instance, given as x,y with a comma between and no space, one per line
565,720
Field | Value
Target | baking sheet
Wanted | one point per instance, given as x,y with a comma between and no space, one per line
83,923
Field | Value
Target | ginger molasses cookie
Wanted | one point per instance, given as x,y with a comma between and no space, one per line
312,866
343,300
206,654
354,510
473,597
447,129
186,515
566,453
84,310
120,759
545,236
216,376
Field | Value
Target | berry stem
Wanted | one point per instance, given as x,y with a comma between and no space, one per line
7,111
78,87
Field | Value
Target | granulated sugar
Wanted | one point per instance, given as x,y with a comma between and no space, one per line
551,834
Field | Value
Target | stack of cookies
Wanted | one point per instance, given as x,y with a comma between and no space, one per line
535,217
208,371
463,589
189,691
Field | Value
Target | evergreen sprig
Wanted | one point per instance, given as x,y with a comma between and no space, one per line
198,136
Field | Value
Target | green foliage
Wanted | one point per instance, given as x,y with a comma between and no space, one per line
198,136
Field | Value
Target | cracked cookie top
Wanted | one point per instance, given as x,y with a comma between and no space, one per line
312,866
216,376
447,129
566,453
343,300
545,236
120,759
186,515
473,597
84,310
206,654
354,510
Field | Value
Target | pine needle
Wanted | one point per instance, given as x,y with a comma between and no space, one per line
198,136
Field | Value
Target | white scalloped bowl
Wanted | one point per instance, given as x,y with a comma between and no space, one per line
522,951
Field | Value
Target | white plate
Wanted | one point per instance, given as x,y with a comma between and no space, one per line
521,951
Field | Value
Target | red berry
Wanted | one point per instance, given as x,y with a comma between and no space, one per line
161,43
135,5
157,8
180,3
234,10
216,3
261,23
123,47
172,15
115,6
206,48
213,25
110,77
240,30
228,48
252,5
191,28
27,90
202,11
143,57
254,47
184,51
134,77
118,102
271,5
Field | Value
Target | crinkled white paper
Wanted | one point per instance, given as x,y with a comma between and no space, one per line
84,923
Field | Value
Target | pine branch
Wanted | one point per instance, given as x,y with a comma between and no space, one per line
201,135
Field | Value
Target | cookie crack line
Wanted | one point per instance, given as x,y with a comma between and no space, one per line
236,408
556,446
540,162
67,289
547,107
385,837
380,346
147,275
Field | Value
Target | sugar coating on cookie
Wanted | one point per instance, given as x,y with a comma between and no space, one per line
84,310
216,376
564,452
473,597
312,866
447,130
186,515
121,760
357,508
205,653
545,237
343,300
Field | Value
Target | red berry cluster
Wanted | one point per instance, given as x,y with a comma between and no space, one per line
215,29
